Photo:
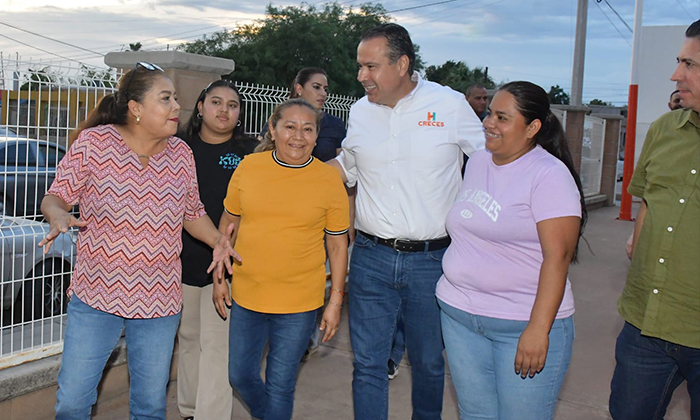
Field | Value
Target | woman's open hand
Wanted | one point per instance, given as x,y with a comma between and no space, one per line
60,222
223,252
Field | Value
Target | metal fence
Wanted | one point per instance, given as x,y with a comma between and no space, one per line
39,106
592,149
260,101
592,155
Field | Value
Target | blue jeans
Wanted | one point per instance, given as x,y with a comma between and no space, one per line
399,345
648,370
288,336
481,353
383,284
91,335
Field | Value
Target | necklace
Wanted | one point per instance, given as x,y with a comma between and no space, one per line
143,156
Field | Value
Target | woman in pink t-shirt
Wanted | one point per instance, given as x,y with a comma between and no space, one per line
506,303
136,186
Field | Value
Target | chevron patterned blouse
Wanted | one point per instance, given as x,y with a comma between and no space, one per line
128,256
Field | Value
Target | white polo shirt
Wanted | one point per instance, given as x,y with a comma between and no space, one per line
406,160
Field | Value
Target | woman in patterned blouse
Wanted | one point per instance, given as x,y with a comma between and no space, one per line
136,188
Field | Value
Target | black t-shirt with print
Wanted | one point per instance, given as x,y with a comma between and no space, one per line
215,165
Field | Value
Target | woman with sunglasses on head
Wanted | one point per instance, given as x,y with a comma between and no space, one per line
136,187
218,142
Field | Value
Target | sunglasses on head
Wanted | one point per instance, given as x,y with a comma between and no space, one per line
146,65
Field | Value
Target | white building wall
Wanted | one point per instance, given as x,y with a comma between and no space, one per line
657,62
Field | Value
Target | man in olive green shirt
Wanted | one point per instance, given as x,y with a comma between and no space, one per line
659,346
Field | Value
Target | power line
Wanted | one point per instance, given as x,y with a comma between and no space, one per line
154,41
51,39
686,10
452,9
611,22
421,6
440,13
618,15
37,48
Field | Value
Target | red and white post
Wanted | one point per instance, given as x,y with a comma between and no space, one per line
628,169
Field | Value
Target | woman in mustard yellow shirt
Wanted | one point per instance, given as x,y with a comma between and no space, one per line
282,203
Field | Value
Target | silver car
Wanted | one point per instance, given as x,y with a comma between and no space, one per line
27,169
33,284
8,132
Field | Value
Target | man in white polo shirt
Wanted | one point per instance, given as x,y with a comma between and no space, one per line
404,151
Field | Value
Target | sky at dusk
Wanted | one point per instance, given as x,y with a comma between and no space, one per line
516,39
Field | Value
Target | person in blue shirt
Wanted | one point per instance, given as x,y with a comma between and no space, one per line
311,84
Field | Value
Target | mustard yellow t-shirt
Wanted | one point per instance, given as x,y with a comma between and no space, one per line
285,212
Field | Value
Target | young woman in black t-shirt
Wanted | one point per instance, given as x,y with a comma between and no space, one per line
218,142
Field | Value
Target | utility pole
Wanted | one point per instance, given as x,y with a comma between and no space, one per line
579,52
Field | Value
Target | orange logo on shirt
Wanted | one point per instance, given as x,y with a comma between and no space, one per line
431,121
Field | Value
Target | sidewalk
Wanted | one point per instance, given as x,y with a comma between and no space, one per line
324,385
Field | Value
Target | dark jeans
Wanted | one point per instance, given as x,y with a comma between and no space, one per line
399,345
384,283
648,370
288,336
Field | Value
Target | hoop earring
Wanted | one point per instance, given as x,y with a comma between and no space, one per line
239,123
199,115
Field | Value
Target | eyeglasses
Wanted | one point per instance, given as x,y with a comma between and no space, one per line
146,65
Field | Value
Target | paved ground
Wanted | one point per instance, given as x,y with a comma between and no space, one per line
324,385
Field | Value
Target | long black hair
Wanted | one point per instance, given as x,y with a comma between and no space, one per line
194,124
533,104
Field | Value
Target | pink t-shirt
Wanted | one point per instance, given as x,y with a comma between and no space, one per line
492,266
128,256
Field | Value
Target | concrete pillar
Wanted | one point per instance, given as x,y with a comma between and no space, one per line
189,72
610,155
575,116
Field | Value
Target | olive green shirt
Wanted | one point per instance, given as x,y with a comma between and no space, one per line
662,293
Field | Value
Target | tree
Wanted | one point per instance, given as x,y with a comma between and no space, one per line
598,102
38,76
97,78
458,76
136,46
558,96
272,50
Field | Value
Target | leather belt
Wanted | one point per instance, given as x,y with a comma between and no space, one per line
409,246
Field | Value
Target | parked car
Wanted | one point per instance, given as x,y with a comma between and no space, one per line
27,169
33,285
8,132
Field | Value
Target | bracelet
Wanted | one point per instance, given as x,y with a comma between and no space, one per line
333,303
339,291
